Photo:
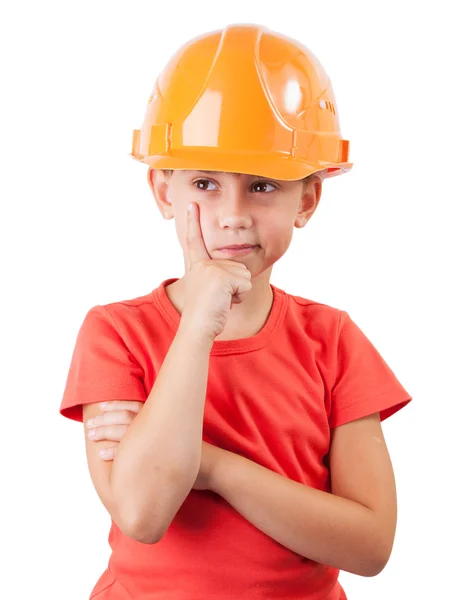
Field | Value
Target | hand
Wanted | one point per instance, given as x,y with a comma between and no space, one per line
113,423
212,285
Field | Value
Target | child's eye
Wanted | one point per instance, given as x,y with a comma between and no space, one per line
258,186
262,184
201,183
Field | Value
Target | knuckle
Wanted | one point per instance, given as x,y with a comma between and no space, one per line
98,434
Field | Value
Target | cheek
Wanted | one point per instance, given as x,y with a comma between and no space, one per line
278,234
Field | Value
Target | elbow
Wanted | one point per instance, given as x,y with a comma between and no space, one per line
370,556
144,535
374,568
147,537
150,525
139,529
141,524
377,548
377,561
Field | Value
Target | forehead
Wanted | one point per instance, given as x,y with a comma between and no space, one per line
216,173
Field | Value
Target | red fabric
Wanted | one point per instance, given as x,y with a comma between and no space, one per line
272,398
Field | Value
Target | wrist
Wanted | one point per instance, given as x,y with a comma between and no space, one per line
195,335
220,470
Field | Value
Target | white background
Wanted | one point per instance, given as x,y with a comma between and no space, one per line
389,243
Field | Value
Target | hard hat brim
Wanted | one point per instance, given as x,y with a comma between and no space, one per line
282,167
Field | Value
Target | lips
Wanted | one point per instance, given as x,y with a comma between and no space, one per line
238,247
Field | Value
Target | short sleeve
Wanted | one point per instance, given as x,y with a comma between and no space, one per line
102,368
364,383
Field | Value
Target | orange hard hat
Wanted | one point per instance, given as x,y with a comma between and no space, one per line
243,100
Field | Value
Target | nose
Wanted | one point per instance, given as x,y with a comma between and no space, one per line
234,211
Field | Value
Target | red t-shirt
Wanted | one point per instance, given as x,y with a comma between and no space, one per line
272,398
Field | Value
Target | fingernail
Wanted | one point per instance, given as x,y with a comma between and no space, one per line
189,207
103,404
90,423
105,452
92,433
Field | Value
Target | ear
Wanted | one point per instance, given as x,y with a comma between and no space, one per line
309,201
159,184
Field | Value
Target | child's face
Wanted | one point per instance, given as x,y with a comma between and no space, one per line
237,209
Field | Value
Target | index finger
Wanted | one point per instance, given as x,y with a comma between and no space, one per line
195,245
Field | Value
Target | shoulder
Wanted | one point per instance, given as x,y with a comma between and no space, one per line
129,304
126,313
312,313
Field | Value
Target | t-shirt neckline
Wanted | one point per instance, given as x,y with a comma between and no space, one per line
249,344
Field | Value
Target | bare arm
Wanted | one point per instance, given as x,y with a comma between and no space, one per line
158,459
352,528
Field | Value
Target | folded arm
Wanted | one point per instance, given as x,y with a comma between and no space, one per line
352,528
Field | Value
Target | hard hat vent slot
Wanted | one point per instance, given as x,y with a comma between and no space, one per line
328,106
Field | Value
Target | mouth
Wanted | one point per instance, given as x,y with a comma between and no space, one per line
238,249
